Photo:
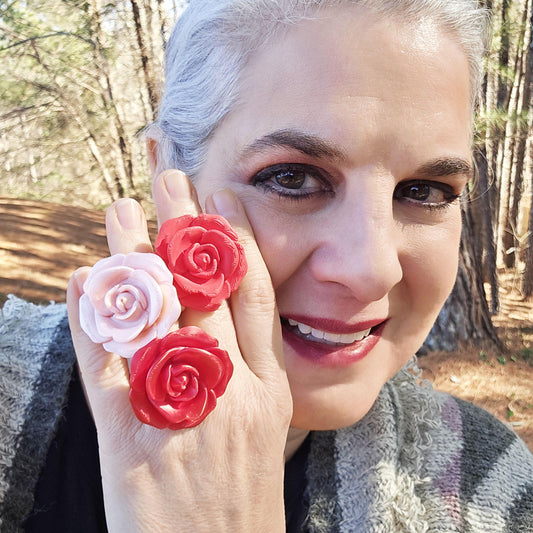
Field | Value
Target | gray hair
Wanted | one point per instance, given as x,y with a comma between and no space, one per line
214,39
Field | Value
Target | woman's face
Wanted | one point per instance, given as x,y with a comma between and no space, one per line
348,148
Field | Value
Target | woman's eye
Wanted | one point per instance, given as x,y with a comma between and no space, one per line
292,180
427,194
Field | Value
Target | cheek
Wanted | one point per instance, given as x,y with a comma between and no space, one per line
430,267
280,240
275,233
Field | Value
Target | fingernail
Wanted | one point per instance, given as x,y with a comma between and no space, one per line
129,213
177,185
225,202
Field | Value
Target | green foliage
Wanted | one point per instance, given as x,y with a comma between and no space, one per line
526,354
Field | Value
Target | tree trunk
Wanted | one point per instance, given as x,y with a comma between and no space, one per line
162,22
493,133
108,99
145,60
507,229
152,42
481,208
503,90
465,317
527,280
515,148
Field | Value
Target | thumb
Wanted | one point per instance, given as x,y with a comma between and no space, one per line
104,375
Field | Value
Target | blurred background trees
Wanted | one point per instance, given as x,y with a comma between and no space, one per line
502,201
79,79
497,244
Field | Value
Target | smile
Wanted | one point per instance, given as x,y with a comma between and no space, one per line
330,343
334,339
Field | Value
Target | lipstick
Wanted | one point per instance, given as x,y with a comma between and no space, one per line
305,335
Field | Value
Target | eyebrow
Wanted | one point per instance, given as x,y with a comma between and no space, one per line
305,143
445,166
315,146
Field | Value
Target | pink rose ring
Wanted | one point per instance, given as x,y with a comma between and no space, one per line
127,301
205,258
175,381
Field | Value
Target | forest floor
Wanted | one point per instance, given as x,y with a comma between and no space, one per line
42,243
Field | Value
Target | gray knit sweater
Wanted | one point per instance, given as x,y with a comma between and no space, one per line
420,461
36,361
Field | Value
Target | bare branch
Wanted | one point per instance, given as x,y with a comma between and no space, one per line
55,34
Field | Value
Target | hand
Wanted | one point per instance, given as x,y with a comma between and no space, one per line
227,473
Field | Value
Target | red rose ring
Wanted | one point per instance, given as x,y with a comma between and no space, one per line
175,381
205,258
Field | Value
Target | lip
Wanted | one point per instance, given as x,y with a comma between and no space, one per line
328,355
334,326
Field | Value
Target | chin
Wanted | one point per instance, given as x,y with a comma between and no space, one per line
331,410
348,395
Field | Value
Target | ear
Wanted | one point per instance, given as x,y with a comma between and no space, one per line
152,149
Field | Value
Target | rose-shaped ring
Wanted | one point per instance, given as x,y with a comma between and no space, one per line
175,381
127,301
205,258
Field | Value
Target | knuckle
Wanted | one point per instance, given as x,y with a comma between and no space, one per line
257,296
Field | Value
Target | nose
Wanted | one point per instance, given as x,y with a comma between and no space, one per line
358,247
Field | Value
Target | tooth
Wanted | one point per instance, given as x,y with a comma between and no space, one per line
317,333
332,337
362,334
304,328
339,338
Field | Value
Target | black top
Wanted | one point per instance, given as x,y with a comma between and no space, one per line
68,496
295,483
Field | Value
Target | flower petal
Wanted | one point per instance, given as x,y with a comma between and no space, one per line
205,258
122,305
178,378
88,320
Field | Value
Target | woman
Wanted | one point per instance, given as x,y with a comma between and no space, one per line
335,138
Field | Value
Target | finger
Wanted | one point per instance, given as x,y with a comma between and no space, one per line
253,305
105,376
126,228
174,196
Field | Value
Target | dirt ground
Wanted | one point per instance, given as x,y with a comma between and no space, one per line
42,243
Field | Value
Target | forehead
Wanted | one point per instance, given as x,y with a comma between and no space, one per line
355,77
